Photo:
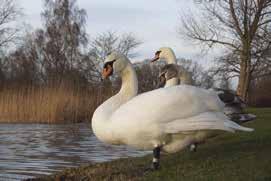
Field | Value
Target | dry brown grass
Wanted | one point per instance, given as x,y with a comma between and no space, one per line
49,104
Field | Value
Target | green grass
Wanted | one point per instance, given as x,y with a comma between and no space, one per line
239,156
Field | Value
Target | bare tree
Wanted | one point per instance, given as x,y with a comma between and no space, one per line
8,14
64,36
109,41
59,50
201,77
241,28
148,75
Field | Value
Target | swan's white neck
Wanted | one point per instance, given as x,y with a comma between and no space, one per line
170,58
101,117
172,82
128,90
129,87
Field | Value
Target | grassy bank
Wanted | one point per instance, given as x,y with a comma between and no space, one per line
55,103
240,156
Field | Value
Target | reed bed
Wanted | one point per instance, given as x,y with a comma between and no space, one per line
58,103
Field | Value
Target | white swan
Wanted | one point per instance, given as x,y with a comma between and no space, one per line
169,76
234,106
168,55
166,119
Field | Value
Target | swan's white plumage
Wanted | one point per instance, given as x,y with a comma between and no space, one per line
172,117
151,118
204,121
168,104
234,105
172,82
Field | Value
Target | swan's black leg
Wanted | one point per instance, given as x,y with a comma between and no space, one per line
156,157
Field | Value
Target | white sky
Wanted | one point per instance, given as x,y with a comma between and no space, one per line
155,22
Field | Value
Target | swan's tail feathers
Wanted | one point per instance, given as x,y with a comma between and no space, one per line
204,121
234,126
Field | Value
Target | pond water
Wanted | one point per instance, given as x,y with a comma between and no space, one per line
31,150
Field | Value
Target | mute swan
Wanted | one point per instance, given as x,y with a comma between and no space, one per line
167,119
168,55
233,103
168,76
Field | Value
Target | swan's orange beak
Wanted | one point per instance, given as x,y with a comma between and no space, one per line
156,57
107,71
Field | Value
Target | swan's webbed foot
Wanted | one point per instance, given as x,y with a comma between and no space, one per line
193,147
156,158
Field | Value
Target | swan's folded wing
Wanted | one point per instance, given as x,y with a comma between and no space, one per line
167,104
203,121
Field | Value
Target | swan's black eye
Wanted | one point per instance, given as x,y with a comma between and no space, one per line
109,64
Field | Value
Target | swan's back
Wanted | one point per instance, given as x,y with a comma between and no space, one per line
166,104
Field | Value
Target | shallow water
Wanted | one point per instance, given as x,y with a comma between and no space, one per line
30,150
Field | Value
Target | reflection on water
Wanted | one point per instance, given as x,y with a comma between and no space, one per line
29,150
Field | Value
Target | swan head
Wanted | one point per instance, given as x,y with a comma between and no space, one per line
168,72
163,53
115,62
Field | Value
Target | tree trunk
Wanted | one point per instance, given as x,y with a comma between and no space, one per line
244,78
243,85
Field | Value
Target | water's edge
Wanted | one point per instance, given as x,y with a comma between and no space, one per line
33,150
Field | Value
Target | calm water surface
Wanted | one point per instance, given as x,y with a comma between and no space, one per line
30,150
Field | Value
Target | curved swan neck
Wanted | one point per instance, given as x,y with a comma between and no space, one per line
129,87
172,82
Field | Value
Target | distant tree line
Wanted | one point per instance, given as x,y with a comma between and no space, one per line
62,52
61,49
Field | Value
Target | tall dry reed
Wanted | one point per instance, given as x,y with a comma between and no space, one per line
49,104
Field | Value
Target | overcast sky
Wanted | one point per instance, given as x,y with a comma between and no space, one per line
155,22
